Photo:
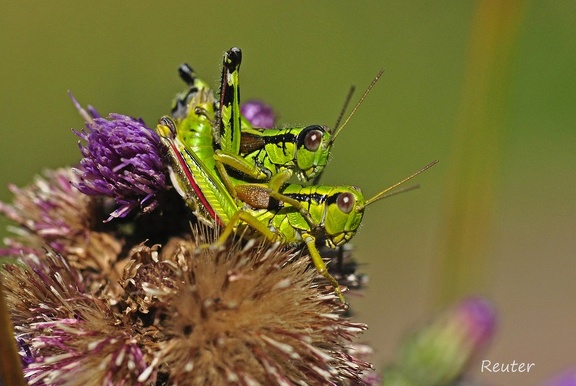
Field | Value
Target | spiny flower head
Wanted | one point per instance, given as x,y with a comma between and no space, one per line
183,315
52,212
66,333
122,160
243,315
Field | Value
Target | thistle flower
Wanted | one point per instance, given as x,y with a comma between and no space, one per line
259,114
52,212
122,160
99,306
136,301
67,334
239,315
438,354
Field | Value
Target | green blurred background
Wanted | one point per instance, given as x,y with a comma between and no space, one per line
488,88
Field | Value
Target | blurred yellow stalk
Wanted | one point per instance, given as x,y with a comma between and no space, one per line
465,238
10,367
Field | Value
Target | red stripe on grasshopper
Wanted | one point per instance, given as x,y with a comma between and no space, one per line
194,185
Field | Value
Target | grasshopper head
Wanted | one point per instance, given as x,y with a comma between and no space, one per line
345,209
313,147
318,140
344,215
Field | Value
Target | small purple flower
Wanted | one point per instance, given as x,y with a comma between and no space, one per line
567,378
259,114
439,353
123,160
476,319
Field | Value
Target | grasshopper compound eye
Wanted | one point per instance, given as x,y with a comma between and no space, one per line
313,138
345,202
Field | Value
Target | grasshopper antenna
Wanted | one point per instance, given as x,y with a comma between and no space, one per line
337,131
386,192
338,128
403,190
316,179
345,106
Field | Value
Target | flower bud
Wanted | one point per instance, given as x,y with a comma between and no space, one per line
259,114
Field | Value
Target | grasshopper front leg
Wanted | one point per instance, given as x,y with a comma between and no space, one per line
320,265
242,165
274,185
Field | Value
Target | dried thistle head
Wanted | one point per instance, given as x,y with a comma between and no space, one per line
186,316
67,334
52,212
241,315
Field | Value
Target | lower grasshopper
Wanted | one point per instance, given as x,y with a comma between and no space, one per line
300,214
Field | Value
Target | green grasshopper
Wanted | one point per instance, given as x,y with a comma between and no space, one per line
198,130
259,154
289,213
302,215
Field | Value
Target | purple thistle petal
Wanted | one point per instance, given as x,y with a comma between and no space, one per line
25,352
87,115
49,211
93,112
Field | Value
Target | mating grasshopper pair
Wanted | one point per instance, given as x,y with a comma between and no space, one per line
235,176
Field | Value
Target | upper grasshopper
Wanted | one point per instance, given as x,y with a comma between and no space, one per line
259,154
